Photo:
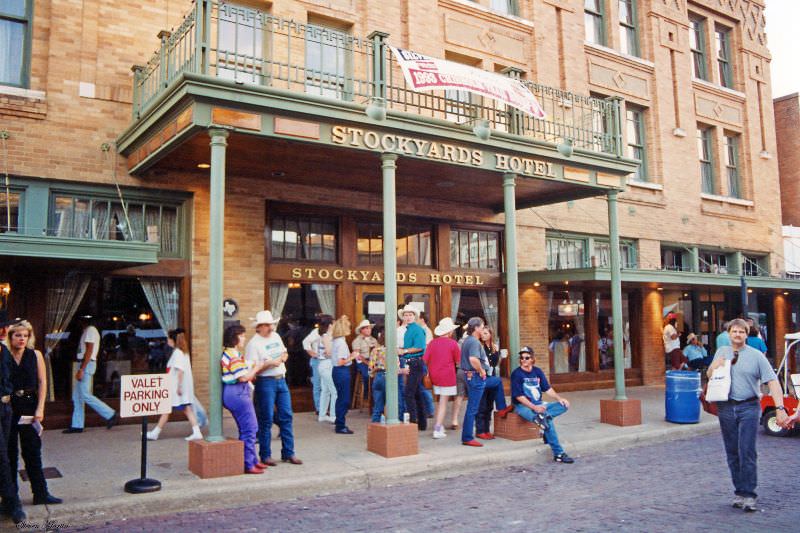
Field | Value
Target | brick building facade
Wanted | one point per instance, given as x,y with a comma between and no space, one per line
684,85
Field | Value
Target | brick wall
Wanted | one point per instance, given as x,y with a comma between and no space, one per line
787,129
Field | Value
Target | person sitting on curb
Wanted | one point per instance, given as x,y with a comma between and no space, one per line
528,383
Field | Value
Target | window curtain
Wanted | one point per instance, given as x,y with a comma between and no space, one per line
169,230
455,301
164,297
100,217
425,248
12,36
277,298
136,217
326,295
63,298
489,305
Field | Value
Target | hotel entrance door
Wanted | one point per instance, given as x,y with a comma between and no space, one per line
370,304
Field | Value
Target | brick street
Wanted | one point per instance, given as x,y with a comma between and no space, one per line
677,486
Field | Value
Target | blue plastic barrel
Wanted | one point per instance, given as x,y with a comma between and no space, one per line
682,397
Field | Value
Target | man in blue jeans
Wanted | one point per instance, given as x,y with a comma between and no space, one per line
739,417
272,399
378,368
528,384
475,365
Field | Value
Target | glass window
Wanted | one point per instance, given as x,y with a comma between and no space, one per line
414,246
732,165
714,262
14,42
628,34
706,160
475,249
636,140
725,72
566,332
9,211
607,345
328,54
593,21
303,237
627,253
507,7
240,43
563,253
673,259
697,43
752,266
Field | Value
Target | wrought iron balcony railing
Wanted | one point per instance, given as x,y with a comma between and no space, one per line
249,46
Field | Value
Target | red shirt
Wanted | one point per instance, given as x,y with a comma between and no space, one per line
442,356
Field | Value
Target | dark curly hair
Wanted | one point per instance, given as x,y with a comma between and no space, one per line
231,336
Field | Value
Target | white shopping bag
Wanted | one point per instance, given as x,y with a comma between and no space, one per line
719,384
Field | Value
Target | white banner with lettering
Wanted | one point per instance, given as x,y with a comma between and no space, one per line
425,73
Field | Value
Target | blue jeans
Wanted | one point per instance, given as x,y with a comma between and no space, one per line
341,380
273,404
379,396
363,370
554,409
414,397
493,398
316,388
236,399
739,424
82,395
475,388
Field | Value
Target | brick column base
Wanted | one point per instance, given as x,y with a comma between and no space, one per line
621,412
393,440
514,427
216,459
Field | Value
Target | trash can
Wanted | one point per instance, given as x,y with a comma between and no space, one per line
682,397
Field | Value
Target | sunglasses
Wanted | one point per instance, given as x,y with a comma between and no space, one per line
525,357
735,358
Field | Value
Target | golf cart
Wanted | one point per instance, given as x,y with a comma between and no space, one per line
790,383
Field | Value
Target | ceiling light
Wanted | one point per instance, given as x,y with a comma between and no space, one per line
203,165
659,288
278,174
536,283
786,293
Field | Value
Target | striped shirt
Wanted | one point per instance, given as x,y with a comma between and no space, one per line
233,366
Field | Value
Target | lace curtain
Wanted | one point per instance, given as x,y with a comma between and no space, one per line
326,295
277,298
164,298
489,306
63,298
455,301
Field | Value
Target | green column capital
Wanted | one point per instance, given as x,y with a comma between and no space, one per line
219,134
389,158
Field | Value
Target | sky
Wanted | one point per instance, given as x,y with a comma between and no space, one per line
782,17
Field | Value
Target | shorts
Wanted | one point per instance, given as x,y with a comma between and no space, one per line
461,384
181,407
445,391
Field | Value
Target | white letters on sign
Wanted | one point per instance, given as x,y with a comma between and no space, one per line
145,394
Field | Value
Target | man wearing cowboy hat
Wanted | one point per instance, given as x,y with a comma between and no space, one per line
364,344
411,353
272,399
11,504
696,353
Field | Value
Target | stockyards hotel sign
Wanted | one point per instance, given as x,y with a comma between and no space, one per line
425,73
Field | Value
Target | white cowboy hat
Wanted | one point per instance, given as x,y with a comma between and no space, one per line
445,326
264,317
408,309
364,323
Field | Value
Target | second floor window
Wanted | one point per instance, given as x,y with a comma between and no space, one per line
564,253
714,262
732,165
628,34
15,18
506,7
593,21
475,249
672,259
328,61
724,68
752,266
240,44
602,253
636,140
706,160
414,244
9,211
697,43
306,238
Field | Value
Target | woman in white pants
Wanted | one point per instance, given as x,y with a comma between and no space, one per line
327,395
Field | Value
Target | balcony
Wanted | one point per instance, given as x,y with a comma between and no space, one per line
77,249
252,48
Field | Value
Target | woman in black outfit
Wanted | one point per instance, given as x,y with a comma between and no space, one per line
29,381
483,420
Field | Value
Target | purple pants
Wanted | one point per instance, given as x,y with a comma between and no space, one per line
236,399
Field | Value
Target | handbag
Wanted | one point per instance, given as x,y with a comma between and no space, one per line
719,384
709,407
426,381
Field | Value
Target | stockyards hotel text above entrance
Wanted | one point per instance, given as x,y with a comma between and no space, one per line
376,276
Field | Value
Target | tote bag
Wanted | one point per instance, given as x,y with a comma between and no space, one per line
719,384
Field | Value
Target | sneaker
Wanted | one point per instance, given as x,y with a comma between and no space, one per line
153,434
73,430
749,505
563,458
738,501
485,436
194,436
113,421
473,443
541,421
439,434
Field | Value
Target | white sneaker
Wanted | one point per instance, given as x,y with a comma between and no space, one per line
332,419
196,435
749,505
738,501
153,435
439,434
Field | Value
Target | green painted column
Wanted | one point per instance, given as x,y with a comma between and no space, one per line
388,169
216,251
512,277
616,298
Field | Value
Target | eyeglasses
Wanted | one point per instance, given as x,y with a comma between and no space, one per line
525,358
735,358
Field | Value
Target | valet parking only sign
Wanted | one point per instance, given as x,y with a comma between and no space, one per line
145,395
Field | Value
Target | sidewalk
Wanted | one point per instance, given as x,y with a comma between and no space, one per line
97,463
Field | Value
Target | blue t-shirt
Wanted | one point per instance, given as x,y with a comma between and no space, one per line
693,351
414,338
723,339
757,343
471,347
529,384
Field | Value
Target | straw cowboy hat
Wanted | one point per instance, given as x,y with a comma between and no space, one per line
408,309
364,323
690,338
264,317
445,326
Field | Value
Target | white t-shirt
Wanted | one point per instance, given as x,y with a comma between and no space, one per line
180,361
266,349
311,341
90,334
670,343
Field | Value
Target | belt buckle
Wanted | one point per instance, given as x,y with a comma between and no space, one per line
5,399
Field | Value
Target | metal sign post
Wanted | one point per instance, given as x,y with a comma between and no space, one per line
144,395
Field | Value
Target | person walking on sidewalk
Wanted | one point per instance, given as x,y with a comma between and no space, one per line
11,504
475,365
739,417
272,398
182,385
29,380
411,352
528,384
442,357
342,360
84,369
236,378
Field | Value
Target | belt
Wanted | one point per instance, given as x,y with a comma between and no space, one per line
411,357
269,377
5,399
737,402
23,392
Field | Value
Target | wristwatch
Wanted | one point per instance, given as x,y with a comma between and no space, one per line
781,408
